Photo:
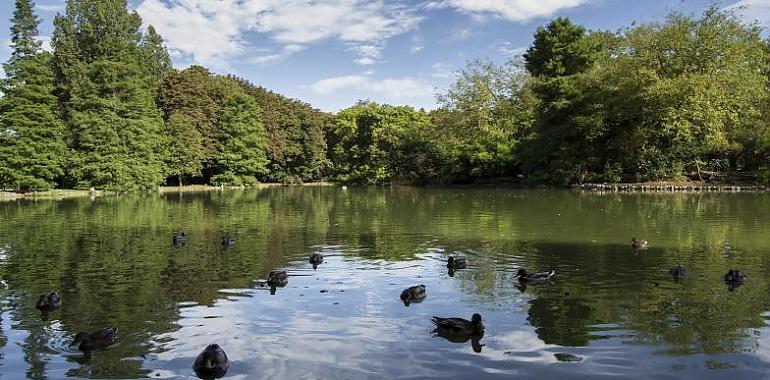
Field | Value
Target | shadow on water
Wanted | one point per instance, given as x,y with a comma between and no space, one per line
113,262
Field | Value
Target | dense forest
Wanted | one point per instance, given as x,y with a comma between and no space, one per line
686,98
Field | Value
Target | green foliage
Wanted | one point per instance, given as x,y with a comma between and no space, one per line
185,148
295,135
560,48
154,55
32,148
374,143
241,155
115,126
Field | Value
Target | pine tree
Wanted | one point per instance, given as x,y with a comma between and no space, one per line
32,149
155,58
115,126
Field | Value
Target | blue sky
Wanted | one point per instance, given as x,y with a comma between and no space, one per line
331,53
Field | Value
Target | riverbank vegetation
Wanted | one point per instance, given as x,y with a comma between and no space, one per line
685,98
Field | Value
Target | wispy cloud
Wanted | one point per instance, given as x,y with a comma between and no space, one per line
511,10
213,32
507,49
277,57
754,10
392,88
443,70
50,7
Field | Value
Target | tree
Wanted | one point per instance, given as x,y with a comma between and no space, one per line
369,143
241,155
32,148
154,55
185,149
560,49
295,134
114,124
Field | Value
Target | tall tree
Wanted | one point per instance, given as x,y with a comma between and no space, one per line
241,155
155,57
185,150
32,149
115,126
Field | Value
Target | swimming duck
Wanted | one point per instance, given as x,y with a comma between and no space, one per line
459,326
523,276
678,271
638,244
316,258
228,242
735,276
49,302
96,339
179,239
456,262
413,294
212,362
278,278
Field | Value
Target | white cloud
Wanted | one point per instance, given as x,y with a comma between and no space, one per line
45,43
507,49
273,58
212,32
369,54
50,7
401,88
443,70
754,10
511,10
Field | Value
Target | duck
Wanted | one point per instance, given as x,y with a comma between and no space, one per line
453,262
413,294
278,278
678,271
523,276
49,302
735,276
638,244
459,326
228,241
212,362
316,258
179,239
95,340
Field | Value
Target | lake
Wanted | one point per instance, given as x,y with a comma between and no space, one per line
610,311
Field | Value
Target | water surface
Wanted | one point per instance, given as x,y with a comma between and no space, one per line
610,312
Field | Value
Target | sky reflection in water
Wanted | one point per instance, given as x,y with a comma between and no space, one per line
609,312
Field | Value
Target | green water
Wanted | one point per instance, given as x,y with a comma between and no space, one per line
609,312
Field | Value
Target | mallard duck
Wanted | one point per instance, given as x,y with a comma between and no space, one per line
638,244
413,294
278,278
212,362
228,241
459,326
96,339
524,277
678,271
179,239
735,276
49,302
456,262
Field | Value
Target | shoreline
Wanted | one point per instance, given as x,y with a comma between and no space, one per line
600,188
670,187
59,194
